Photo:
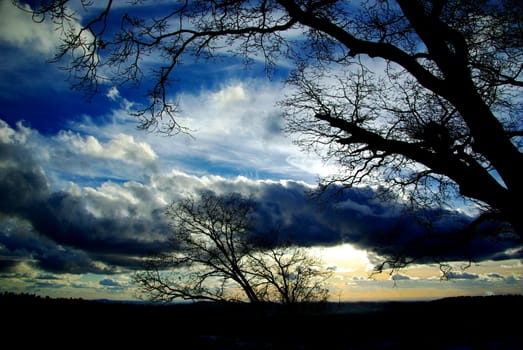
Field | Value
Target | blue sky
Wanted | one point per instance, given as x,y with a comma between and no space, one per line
83,190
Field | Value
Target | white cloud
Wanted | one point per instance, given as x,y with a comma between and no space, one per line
344,258
240,125
121,147
84,158
229,96
18,28
10,135
113,93
123,200
235,130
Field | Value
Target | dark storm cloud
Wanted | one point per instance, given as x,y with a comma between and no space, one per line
21,179
64,218
462,275
69,261
57,231
7,265
386,228
21,244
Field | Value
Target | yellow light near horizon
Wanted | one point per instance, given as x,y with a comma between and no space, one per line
344,258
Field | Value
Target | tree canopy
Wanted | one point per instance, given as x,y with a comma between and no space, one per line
420,96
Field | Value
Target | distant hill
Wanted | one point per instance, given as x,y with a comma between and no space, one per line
450,323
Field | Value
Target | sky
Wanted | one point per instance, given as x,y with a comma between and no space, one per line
83,190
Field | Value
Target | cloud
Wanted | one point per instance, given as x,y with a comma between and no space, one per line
229,97
113,94
239,125
7,265
235,130
107,282
22,244
48,277
121,147
494,276
18,28
400,277
108,226
514,279
21,180
28,82
462,275
10,135
59,230
71,155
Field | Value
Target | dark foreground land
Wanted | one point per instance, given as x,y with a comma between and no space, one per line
451,323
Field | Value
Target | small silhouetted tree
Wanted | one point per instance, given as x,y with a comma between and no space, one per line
215,256
289,274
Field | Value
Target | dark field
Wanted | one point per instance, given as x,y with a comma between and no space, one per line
452,323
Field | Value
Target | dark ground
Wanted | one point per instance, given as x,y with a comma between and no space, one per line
452,323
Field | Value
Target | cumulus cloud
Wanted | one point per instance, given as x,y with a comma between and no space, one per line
121,147
83,157
10,135
59,230
21,244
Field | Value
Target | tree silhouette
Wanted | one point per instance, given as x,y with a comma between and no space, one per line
217,256
418,96
289,275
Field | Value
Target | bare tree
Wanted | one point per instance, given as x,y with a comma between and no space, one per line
440,119
289,274
215,257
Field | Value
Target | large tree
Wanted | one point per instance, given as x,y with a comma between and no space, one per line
419,96
217,254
